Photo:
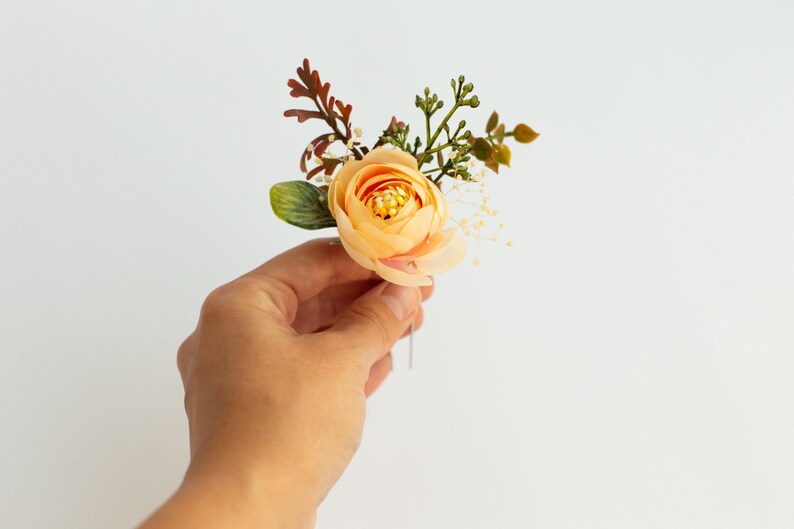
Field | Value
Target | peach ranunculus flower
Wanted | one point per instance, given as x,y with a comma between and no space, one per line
391,218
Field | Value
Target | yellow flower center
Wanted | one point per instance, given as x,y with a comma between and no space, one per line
387,203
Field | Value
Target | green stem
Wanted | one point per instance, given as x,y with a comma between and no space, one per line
427,129
490,137
439,148
433,139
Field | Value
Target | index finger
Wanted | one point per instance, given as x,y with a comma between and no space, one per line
306,270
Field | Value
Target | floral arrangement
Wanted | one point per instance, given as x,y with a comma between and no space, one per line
387,201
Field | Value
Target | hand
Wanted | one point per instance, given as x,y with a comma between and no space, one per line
275,377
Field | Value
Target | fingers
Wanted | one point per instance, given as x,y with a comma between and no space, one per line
321,311
427,291
419,319
369,326
377,374
306,270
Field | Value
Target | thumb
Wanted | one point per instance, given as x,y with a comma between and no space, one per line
371,324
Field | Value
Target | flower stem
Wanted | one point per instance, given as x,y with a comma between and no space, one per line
332,123
432,140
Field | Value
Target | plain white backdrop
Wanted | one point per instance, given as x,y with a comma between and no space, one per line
629,363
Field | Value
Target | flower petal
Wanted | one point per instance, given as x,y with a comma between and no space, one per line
418,228
349,235
395,156
399,277
444,258
385,244
357,256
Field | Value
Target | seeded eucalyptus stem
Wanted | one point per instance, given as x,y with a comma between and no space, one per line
427,130
433,139
439,148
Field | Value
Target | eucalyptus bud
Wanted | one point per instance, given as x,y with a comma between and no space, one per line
427,91
461,124
474,102
440,104
467,135
468,87
461,79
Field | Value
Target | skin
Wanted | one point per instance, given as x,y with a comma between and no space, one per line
276,377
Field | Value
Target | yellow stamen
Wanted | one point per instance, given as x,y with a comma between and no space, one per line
387,203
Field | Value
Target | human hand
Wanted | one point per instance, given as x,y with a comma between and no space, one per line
275,377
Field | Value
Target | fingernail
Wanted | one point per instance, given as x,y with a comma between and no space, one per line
401,300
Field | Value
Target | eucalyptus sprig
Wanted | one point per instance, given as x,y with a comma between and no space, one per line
491,148
455,145
451,154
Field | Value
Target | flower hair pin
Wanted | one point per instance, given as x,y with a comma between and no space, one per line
387,201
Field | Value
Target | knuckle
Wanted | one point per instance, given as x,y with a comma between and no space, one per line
224,300
183,355
217,301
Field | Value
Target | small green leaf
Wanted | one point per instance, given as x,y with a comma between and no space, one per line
301,204
493,121
524,134
481,149
502,154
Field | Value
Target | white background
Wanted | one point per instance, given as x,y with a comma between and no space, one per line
627,364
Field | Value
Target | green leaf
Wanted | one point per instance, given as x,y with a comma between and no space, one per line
493,121
524,134
481,149
301,204
502,154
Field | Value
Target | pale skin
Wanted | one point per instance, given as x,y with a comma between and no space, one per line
276,377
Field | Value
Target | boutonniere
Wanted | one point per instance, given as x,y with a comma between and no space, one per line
390,202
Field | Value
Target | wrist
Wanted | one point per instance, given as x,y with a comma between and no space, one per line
254,493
